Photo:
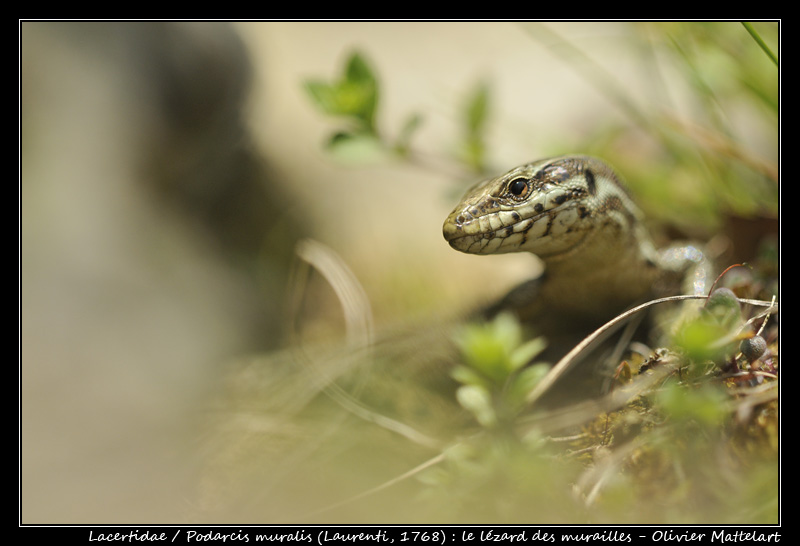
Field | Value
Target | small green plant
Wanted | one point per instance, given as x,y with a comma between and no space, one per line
712,335
354,96
353,100
495,376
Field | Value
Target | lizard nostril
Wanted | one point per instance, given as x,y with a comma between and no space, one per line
465,217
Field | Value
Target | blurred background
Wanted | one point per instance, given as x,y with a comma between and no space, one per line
167,171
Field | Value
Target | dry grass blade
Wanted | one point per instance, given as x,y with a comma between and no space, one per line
355,305
358,320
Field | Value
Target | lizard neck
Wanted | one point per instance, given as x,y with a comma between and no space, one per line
612,269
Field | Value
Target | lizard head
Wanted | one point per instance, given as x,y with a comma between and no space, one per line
549,207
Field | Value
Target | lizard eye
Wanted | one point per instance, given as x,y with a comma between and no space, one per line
518,187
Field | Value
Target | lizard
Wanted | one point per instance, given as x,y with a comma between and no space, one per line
575,213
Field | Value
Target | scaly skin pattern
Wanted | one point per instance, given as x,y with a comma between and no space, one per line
575,214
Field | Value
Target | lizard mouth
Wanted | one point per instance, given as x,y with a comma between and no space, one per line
507,231
504,223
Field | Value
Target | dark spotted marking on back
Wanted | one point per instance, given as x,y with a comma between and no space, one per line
553,173
613,202
590,182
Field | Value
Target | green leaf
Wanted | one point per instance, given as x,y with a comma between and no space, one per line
361,79
478,402
525,382
358,70
526,352
354,95
468,376
507,329
484,352
323,96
